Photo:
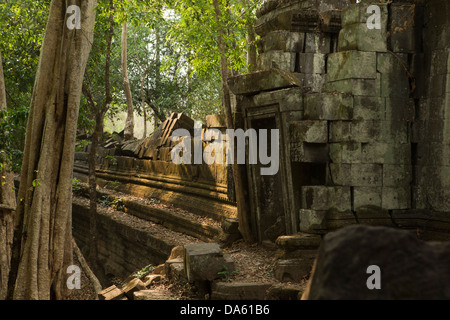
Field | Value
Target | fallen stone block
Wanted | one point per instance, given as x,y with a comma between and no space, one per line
111,293
203,261
131,287
380,263
151,279
239,291
174,269
150,295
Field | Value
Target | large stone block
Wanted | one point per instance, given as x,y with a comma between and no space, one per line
313,221
309,152
312,82
346,152
257,82
312,131
359,13
203,261
328,107
396,198
277,60
411,269
397,175
357,87
311,63
324,198
386,153
351,65
364,197
366,175
368,108
358,37
317,43
283,40
293,270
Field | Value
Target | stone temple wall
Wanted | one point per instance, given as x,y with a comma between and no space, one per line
363,116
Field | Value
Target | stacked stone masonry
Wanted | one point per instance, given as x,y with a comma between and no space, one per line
365,130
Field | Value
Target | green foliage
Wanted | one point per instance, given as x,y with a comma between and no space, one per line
113,185
143,272
226,275
76,186
115,203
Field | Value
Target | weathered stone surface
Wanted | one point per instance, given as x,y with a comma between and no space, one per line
203,261
346,152
131,287
324,198
231,225
284,292
328,107
239,291
293,270
174,269
150,295
151,279
277,60
410,268
111,293
261,81
283,40
309,131
352,65
309,152
176,253
311,63
313,221
357,87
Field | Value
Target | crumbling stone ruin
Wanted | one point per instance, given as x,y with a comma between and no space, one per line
363,115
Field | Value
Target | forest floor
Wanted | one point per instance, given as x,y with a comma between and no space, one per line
253,262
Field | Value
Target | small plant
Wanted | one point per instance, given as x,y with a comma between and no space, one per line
226,275
113,160
119,205
143,272
113,185
76,186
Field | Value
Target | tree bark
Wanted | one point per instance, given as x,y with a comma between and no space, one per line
8,205
42,246
238,177
97,136
129,124
252,54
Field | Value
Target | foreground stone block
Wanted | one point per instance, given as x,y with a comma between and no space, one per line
410,268
150,295
131,287
111,293
203,262
239,291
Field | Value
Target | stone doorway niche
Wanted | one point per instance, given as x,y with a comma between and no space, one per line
271,199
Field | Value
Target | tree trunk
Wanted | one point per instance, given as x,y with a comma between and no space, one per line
242,206
97,137
252,55
42,246
129,124
7,206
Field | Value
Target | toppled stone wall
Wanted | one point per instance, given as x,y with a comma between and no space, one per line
364,129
